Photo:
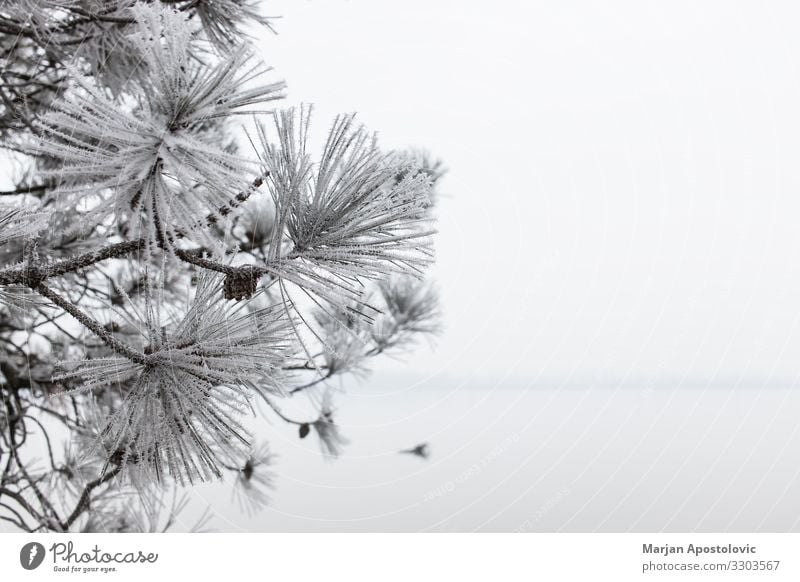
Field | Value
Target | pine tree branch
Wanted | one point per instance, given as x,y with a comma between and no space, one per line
19,522
22,502
26,190
56,520
98,17
240,198
84,501
25,274
280,414
91,324
87,259
46,440
319,380
45,503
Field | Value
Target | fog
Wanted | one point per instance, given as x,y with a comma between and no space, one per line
622,176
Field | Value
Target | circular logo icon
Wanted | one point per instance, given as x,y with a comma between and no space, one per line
31,555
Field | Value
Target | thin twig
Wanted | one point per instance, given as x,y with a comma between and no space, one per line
83,502
93,325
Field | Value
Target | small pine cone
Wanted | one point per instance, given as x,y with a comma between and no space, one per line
242,283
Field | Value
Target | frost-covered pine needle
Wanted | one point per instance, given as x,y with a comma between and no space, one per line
159,161
411,309
222,19
18,225
331,440
348,217
182,405
345,337
254,479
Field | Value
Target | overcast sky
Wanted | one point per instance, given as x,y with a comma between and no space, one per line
622,195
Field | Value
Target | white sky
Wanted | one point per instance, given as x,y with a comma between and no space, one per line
622,194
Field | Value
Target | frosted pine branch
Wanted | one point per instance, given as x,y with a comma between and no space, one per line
158,278
348,217
17,222
160,165
180,413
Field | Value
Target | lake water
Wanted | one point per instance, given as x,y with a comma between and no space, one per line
516,457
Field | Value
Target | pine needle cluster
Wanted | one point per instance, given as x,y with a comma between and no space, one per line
160,275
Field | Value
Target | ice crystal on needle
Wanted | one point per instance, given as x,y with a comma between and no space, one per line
159,164
183,398
347,216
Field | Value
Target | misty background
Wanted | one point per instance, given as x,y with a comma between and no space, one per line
617,261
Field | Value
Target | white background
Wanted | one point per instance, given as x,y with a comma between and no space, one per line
622,194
